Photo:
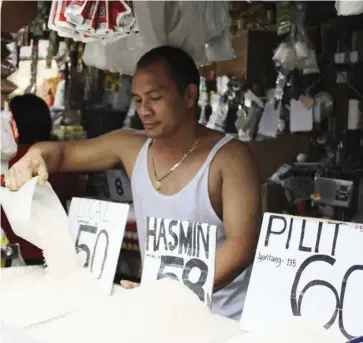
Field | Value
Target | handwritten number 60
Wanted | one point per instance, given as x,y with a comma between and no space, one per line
296,304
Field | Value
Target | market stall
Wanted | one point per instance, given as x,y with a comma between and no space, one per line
285,79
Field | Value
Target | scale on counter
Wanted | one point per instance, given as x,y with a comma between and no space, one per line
334,192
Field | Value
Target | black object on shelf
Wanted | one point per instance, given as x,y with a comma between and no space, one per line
98,121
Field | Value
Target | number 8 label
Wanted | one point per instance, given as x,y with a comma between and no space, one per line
187,269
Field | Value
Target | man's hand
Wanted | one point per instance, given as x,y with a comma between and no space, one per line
129,284
32,164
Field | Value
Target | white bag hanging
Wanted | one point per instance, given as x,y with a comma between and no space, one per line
349,7
9,134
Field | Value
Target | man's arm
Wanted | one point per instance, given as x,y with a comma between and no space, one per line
84,155
94,154
241,199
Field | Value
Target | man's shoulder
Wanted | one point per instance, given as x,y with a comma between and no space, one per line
233,150
127,138
235,154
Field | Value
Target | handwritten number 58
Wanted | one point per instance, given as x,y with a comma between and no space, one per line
178,262
338,312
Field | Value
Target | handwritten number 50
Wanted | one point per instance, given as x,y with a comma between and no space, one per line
296,304
86,249
178,262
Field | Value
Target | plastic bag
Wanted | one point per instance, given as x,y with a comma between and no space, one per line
348,7
9,136
36,215
181,24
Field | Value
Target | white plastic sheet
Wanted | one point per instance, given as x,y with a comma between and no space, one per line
349,7
201,28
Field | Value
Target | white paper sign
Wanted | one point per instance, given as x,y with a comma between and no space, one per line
97,228
181,250
307,267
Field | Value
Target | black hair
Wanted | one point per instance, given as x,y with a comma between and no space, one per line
32,118
182,68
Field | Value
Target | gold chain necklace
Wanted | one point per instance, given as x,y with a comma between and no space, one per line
157,183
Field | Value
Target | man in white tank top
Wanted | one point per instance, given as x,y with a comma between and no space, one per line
178,169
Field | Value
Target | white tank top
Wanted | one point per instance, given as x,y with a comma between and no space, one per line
191,203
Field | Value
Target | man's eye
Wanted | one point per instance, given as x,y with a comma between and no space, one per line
156,98
137,101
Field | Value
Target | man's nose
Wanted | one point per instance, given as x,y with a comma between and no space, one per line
144,110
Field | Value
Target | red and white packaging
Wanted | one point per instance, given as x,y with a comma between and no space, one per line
86,38
75,11
53,12
85,16
74,35
118,10
89,24
103,27
60,21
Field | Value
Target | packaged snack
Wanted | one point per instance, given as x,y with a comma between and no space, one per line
86,38
103,27
87,18
52,15
61,22
75,12
118,9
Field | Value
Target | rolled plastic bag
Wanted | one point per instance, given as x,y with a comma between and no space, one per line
36,214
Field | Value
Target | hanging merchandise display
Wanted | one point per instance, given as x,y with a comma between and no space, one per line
37,31
32,88
283,17
87,21
52,48
294,53
7,68
118,33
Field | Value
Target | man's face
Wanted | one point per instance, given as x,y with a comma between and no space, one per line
161,107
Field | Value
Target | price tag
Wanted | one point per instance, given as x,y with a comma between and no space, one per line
311,268
181,250
97,228
119,185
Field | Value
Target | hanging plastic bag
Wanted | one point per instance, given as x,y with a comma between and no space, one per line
9,137
348,7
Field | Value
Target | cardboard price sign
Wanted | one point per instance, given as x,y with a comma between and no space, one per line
311,268
97,228
183,251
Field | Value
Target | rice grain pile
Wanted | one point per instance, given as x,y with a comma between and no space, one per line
62,303
293,330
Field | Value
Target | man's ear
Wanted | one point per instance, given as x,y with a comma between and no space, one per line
192,95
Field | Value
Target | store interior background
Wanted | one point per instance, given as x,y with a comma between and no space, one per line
324,174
